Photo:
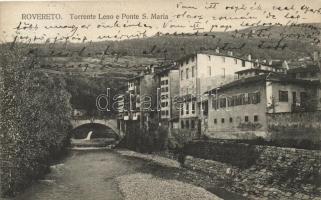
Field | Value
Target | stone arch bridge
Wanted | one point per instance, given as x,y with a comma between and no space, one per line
111,123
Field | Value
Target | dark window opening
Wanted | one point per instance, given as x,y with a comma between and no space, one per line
187,73
243,63
192,124
256,118
283,96
246,118
193,108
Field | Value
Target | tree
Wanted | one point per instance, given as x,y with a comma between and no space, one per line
34,119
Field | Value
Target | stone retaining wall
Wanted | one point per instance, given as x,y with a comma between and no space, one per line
278,173
297,125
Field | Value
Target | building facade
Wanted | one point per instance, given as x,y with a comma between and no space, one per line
238,110
169,89
201,72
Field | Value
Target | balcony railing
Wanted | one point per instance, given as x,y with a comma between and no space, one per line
299,107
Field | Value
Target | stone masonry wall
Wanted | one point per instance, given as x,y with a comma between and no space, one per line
299,125
277,173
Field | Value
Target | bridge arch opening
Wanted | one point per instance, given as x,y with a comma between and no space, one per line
98,131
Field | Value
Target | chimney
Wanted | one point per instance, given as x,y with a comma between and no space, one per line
249,57
230,53
217,50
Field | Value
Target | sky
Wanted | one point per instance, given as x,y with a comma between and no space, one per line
178,16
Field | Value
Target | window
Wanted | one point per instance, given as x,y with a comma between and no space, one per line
243,63
235,60
231,119
165,96
187,108
229,101
214,104
223,58
164,82
256,118
187,124
246,118
205,108
246,98
209,70
222,102
182,109
186,73
254,98
164,104
222,120
193,108
215,121
166,113
182,74
182,124
303,98
192,124
193,71
283,96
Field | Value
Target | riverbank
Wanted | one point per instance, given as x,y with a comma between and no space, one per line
163,166
262,180
105,174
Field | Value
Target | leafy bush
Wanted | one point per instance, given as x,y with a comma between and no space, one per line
34,119
145,141
179,139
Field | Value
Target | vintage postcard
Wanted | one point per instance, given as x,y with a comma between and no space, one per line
160,100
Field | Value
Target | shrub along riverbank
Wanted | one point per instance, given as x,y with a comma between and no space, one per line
34,119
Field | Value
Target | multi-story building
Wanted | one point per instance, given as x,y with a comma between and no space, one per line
201,72
238,110
148,99
169,89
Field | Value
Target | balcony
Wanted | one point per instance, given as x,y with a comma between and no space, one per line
300,107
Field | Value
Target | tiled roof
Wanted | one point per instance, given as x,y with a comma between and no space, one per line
274,63
252,69
262,79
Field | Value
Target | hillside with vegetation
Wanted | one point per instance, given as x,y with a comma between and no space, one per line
260,41
112,62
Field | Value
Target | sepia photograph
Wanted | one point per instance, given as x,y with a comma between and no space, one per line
160,100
